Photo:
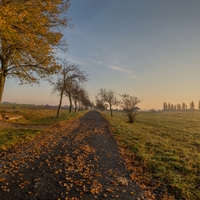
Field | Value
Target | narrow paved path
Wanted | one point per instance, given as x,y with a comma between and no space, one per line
78,160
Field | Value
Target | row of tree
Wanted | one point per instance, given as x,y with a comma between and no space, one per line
70,83
108,98
183,106
30,37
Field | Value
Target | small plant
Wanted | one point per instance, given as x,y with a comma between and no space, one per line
128,104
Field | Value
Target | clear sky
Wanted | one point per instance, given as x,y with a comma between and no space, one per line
148,49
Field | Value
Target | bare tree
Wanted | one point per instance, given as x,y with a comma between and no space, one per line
178,106
100,104
168,106
192,107
128,104
76,76
164,106
76,94
183,106
59,86
80,96
70,75
108,96
84,101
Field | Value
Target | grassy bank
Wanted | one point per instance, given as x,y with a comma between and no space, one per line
11,133
44,116
168,144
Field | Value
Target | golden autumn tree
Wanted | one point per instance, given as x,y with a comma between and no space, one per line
29,39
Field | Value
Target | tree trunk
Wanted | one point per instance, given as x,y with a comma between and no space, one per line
3,66
79,106
111,114
61,96
70,105
3,74
2,84
75,103
131,117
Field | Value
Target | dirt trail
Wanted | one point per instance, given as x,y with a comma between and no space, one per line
78,160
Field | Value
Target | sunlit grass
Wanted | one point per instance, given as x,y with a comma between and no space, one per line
12,135
169,143
41,116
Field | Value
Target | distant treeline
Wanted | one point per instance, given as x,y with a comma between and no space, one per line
183,106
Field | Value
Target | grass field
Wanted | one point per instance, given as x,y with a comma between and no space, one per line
35,115
168,143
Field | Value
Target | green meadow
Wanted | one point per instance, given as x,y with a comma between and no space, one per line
33,121
168,143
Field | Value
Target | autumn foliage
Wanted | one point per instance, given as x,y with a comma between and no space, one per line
29,38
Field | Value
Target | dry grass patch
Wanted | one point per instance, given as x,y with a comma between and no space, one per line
32,123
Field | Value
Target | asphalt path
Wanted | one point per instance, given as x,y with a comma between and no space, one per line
76,160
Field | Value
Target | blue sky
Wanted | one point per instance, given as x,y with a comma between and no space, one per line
148,49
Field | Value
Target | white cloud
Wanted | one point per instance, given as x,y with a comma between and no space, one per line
118,69
97,62
71,59
122,70
132,76
75,61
